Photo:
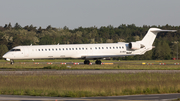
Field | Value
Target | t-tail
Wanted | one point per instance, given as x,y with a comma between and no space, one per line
146,43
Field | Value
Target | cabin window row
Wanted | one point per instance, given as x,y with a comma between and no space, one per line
62,49
56,49
110,47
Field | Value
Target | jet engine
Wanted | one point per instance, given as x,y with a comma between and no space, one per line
134,45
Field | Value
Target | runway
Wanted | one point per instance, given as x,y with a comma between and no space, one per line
58,72
164,97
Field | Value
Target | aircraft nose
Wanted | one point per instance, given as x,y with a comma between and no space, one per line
4,56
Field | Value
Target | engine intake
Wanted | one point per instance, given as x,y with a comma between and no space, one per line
134,45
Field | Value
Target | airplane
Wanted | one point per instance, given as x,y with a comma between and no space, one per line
85,51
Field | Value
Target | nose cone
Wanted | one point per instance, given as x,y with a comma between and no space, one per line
5,56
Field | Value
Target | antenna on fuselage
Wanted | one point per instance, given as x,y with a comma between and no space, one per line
31,45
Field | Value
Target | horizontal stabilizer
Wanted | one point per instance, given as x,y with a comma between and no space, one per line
160,30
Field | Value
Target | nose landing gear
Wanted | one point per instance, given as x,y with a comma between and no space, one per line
11,62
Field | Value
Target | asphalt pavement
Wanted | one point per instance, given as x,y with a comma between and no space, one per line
156,97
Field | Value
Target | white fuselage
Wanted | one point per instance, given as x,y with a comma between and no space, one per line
84,51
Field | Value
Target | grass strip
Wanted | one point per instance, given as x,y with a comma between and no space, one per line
90,85
86,67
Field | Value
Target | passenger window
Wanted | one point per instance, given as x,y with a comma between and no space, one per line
116,47
99,48
69,48
119,47
79,48
102,47
56,49
42,49
66,48
63,48
95,47
49,49
86,48
82,48
39,49
45,49
52,49
113,48
106,47
72,48
122,47
76,48
59,48
109,47
91,48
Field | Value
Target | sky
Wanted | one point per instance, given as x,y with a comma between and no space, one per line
89,13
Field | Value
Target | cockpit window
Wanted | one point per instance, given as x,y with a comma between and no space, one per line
15,50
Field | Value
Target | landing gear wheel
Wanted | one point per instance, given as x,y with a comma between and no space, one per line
86,62
98,62
12,62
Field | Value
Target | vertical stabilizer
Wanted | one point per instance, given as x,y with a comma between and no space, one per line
149,38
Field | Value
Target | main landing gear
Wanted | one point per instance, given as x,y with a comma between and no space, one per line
86,62
98,62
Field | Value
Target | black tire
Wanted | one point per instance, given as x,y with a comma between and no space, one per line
12,62
98,62
86,62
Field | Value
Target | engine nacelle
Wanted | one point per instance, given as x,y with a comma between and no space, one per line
134,45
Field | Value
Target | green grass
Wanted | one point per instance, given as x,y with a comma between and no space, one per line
87,85
128,66
81,60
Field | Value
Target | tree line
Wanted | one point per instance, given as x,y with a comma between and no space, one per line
167,45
